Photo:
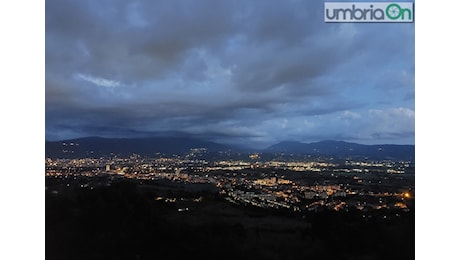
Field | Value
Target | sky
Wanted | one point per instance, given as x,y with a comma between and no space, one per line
251,73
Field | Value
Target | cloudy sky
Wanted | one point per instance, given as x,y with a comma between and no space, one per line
241,72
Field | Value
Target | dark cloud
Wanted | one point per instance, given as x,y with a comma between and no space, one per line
233,71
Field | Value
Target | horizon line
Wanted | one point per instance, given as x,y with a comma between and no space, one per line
200,139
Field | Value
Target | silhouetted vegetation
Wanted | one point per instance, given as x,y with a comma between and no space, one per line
125,221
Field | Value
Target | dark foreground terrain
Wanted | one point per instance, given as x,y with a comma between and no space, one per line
134,220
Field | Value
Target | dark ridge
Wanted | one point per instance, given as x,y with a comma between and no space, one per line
96,147
346,149
99,147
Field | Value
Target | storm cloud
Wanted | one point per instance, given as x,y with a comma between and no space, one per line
251,72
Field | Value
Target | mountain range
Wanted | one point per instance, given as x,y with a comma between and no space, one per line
123,147
343,149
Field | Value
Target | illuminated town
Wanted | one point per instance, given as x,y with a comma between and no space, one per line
283,205
297,186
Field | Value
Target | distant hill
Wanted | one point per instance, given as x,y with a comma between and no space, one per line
97,146
346,149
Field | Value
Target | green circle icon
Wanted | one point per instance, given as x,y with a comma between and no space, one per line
393,11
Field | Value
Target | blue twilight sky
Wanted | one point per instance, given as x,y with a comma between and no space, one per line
241,72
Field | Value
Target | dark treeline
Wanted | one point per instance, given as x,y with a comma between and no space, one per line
123,221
